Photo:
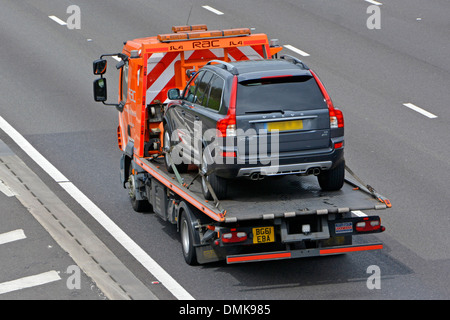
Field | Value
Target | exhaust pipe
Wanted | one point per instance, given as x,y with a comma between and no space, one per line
314,171
256,176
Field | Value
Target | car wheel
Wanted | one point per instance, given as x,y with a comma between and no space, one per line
333,179
167,143
218,184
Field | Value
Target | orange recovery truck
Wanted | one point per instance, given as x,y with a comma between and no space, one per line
259,221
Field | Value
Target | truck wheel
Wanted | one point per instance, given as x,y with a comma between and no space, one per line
137,205
187,240
333,179
218,184
182,167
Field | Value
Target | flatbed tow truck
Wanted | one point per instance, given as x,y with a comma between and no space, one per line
276,218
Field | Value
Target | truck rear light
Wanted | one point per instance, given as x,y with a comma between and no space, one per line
227,126
234,236
368,225
228,154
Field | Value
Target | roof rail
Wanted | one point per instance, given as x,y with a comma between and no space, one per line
294,60
225,65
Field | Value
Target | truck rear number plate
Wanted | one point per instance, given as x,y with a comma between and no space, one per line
263,235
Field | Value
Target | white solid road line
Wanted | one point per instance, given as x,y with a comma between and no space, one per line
420,110
296,50
28,282
12,236
31,151
151,265
58,20
213,10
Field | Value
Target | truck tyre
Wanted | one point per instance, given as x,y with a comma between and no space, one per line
218,184
167,143
187,239
137,205
333,179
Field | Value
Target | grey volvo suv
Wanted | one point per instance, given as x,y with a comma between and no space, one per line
255,119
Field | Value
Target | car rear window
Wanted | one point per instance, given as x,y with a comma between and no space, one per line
293,93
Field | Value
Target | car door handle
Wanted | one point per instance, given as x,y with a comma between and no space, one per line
197,118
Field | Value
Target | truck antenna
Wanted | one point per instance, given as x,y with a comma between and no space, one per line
189,16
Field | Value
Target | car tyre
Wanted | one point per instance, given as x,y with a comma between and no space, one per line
182,167
333,179
218,184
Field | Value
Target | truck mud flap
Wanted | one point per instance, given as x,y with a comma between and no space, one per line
280,255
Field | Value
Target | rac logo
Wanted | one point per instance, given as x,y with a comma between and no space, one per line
205,44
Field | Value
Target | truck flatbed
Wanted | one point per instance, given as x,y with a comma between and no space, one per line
273,197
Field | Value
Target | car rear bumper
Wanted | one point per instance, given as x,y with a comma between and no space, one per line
277,170
306,164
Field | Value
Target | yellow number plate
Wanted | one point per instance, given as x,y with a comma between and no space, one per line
285,125
263,235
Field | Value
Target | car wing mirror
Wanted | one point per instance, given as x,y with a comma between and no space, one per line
173,94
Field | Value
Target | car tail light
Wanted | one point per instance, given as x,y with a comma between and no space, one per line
336,116
227,126
368,225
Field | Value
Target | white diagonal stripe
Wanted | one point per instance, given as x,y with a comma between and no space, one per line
28,282
6,190
12,236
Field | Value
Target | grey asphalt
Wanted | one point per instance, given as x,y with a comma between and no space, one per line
46,88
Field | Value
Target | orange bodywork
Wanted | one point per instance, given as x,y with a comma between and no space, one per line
157,64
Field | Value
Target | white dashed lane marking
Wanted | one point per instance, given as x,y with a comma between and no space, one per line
213,10
296,50
420,110
58,20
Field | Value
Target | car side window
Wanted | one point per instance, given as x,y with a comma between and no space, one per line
202,96
215,94
191,88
